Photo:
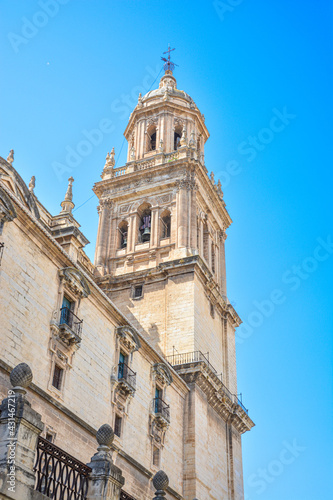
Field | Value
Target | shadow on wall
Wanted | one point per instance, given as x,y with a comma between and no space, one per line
151,334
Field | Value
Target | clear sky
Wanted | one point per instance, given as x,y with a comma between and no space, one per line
261,72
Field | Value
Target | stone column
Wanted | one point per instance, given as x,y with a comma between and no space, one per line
201,238
132,233
160,482
20,427
103,233
223,277
193,218
154,238
182,218
105,479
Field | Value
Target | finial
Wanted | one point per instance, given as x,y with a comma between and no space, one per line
21,377
109,160
10,157
68,205
183,139
112,160
69,192
160,482
140,104
219,189
192,140
212,177
32,184
168,64
105,437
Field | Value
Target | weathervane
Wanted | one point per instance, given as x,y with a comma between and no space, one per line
168,64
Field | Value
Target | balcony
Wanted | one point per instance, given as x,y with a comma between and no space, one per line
126,378
161,411
182,361
189,358
70,326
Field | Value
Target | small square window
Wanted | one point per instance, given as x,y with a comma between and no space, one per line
156,456
138,291
49,437
117,425
57,377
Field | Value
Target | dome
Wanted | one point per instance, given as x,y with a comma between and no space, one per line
168,85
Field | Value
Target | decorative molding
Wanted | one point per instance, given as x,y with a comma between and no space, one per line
75,281
162,374
128,338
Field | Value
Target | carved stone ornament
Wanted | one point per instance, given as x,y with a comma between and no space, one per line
7,210
162,374
128,338
105,203
75,280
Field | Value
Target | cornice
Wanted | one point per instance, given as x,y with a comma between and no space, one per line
218,396
164,270
164,106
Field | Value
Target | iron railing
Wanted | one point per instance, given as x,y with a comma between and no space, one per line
127,374
67,317
198,357
190,357
160,407
59,475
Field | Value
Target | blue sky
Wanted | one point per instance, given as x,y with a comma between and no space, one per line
261,72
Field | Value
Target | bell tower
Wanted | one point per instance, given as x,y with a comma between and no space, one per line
160,257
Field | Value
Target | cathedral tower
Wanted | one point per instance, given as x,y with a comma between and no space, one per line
160,257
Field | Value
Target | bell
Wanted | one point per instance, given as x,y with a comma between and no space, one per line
146,234
124,245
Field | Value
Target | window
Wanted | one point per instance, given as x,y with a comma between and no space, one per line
122,366
49,437
158,399
123,231
117,425
165,224
138,292
145,226
156,456
212,310
66,302
151,138
176,140
57,377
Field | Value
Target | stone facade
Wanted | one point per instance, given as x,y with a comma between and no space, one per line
143,339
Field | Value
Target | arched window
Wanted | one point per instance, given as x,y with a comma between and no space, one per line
177,137
123,232
145,223
165,224
151,139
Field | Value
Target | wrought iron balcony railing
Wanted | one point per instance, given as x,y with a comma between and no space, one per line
67,317
161,408
58,474
126,374
190,357
179,359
